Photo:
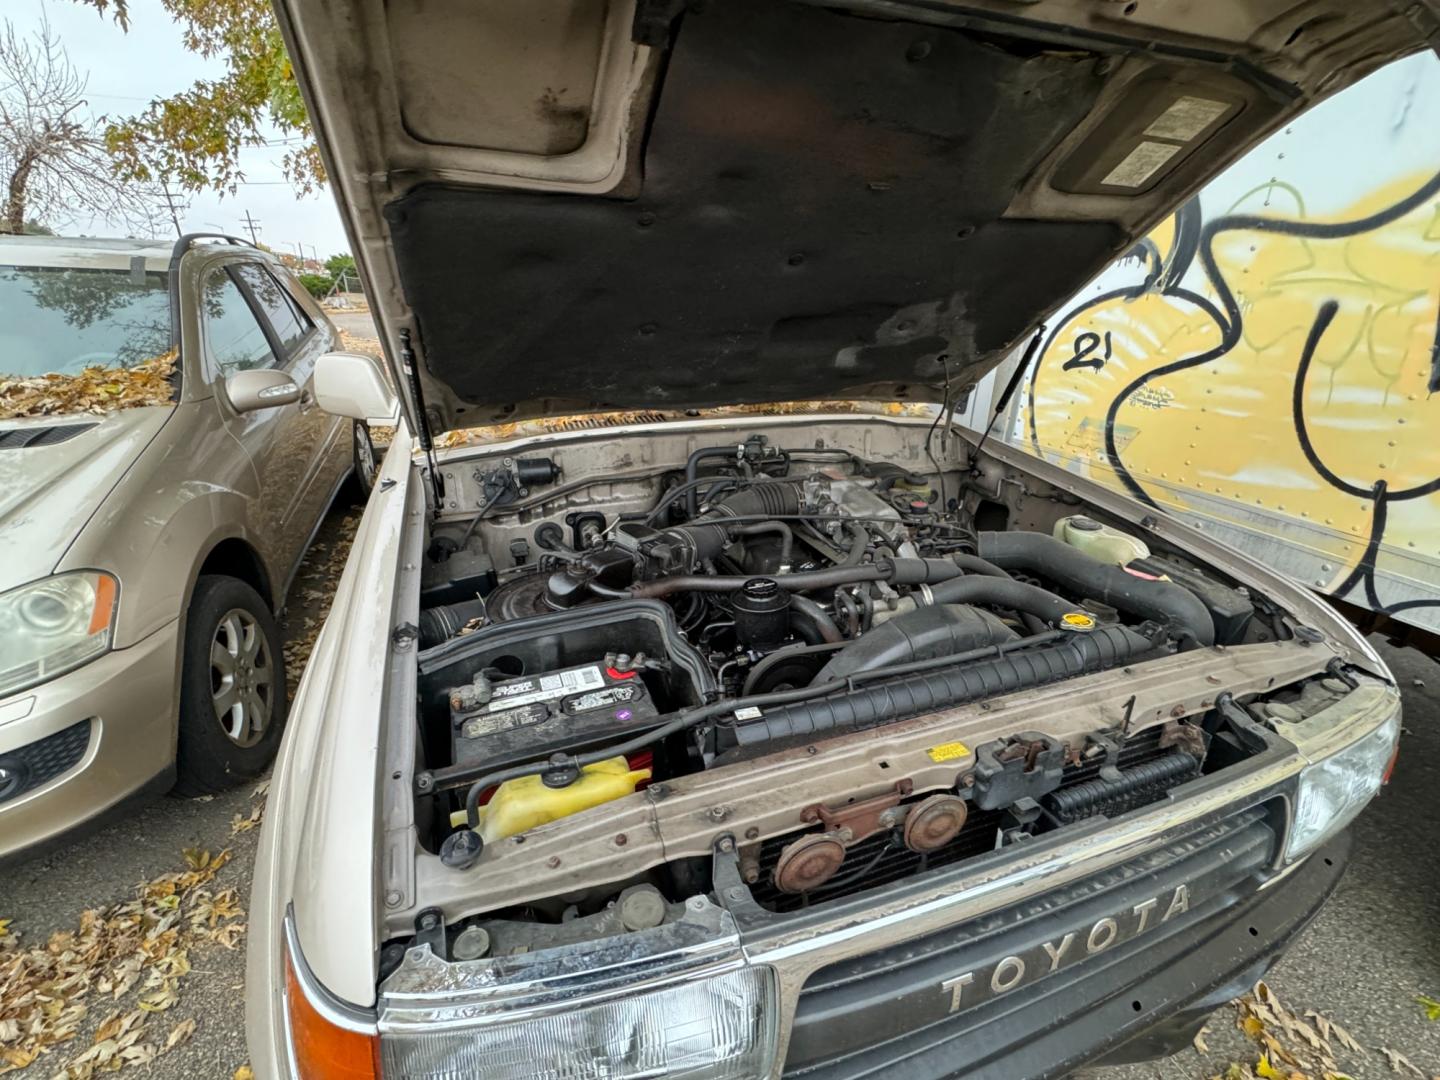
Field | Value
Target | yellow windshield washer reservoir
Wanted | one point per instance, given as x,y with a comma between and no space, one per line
524,804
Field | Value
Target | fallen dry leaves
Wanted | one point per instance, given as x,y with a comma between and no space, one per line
357,343
1296,1047
94,390
138,950
311,596
583,421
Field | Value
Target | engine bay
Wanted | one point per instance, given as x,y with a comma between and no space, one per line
597,629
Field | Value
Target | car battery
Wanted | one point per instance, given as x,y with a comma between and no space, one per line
502,722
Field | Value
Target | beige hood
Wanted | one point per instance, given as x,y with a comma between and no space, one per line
567,206
55,471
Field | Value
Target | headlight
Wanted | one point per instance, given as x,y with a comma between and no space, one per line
720,1028
677,1000
1336,787
49,627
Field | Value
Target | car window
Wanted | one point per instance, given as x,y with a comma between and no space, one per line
290,323
234,340
61,320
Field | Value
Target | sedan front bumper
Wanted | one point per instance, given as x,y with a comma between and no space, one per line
81,743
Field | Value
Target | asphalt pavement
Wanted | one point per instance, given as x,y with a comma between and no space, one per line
354,322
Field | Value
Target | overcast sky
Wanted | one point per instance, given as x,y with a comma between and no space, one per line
127,70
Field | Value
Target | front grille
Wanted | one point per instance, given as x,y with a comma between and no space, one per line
1024,970
27,767
882,859
24,438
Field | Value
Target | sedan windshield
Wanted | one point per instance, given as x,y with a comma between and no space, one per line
62,320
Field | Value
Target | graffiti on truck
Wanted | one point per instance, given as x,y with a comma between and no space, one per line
1267,369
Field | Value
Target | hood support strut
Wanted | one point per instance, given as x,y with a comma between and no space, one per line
427,441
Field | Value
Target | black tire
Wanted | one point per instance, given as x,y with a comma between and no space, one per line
223,612
365,464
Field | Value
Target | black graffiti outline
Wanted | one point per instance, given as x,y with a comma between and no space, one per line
1082,357
1231,326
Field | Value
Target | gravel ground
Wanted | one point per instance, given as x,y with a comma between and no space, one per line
1371,951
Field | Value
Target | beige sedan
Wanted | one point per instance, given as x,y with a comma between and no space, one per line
163,465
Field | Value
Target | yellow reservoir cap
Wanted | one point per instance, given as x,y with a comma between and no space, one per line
524,804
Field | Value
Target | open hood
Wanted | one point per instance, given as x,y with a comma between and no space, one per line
566,206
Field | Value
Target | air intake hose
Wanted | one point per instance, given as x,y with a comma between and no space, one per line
779,498
1172,605
894,699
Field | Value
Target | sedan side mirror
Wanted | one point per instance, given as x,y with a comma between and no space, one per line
260,388
352,384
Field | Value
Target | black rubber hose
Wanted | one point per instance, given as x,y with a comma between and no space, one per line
787,537
692,465
895,699
918,635
810,579
860,540
1003,592
973,564
812,622
761,502
1173,605
440,624
896,571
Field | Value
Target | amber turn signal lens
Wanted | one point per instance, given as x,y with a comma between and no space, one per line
323,1050
104,603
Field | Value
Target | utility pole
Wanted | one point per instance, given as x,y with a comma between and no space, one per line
170,202
254,227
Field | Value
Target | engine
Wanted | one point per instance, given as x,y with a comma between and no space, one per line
760,600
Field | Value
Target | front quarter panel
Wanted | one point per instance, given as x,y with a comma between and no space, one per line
191,487
319,842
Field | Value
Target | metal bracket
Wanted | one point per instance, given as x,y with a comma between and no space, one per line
855,821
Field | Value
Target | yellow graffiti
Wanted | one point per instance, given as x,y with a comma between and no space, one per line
1219,437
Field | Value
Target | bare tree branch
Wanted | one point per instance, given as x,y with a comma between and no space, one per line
55,166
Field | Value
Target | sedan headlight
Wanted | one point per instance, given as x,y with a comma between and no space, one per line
719,1028
54,625
1337,785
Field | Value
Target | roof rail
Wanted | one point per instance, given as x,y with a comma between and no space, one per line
182,245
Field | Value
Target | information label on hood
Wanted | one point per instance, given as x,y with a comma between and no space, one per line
1185,119
1140,164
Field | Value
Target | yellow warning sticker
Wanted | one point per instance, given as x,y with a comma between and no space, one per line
948,751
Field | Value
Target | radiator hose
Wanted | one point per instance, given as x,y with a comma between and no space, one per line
1172,605
1073,654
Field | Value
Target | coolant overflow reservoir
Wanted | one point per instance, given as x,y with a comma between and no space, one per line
1100,541
520,805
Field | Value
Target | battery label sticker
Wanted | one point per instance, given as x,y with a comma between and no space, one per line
602,699
546,687
1186,118
948,751
1140,164
495,723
